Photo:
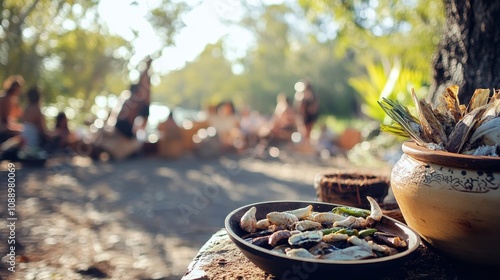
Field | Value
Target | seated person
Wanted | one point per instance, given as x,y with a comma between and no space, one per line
250,124
62,137
135,109
119,137
225,120
169,128
10,110
283,122
170,143
35,133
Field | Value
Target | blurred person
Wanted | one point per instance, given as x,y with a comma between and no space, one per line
250,124
279,128
63,138
10,110
226,108
35,133
306,104
226,122
283,121
170,142
120,135
327,141
134,111
169,128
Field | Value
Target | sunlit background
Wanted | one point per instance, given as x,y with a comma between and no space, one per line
84,54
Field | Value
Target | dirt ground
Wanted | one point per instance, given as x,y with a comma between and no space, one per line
140,218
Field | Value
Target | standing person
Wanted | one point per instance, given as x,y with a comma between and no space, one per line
35,133
10,110
306,104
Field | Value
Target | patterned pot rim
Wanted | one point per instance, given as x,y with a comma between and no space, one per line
486,163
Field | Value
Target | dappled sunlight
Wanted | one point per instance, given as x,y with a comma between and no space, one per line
283,171
282,191
144,216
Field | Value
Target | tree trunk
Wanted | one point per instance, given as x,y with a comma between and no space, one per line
469,51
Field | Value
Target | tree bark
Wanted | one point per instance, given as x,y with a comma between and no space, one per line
469,51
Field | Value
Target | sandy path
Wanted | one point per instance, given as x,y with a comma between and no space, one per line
142,218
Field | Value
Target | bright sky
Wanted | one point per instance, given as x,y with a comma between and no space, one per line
203,26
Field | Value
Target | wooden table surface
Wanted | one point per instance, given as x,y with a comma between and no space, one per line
219,258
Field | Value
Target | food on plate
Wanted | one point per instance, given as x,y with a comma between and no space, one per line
345,233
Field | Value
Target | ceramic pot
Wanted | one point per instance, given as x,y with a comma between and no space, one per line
452,200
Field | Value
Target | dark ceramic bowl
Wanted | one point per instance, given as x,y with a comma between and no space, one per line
284,267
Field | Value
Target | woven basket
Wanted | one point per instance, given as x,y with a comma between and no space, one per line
350,189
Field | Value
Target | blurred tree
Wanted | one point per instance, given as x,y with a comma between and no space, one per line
59,46
166,19
65,48
287,49
284,52
266,66
407,30
468,53
381,33
90,57
200,83
329,75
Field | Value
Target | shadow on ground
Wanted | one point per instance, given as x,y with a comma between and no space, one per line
142,218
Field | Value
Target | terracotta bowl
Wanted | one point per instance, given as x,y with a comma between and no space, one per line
284,267
452,201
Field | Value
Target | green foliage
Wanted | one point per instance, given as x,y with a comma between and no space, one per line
90,60
58,46
406,29
327,42
64,48
398,31
201,83
379,83
167,21
340,124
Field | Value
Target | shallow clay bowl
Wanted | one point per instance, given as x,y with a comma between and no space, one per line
284,267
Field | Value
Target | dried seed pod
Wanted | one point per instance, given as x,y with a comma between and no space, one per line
352,222
479,98
248,221
282,219
335,237
302,213
432,128
300,252
263,224
305,238
489,132
452,102
350,253
327,217
464,128
279,237
306,225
